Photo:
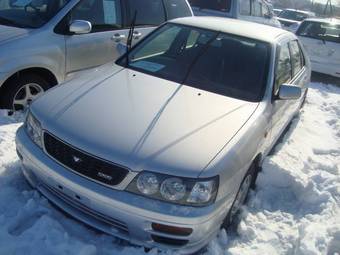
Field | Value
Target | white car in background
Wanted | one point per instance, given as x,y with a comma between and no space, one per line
259,11
321,38
291,19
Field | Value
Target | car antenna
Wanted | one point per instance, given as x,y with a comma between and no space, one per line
130,37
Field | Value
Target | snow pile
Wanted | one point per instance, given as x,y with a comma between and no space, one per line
295,209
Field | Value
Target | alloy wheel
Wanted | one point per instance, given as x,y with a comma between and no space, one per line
25,95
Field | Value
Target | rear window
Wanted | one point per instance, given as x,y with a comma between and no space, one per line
322,31
215,5
177,9
237,66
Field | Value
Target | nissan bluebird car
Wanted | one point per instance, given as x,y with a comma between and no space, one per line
161,147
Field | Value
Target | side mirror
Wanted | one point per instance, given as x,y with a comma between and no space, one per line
289,92
80,27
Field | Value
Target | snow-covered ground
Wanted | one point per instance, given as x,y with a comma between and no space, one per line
294,210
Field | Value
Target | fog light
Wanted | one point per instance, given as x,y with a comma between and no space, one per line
171,230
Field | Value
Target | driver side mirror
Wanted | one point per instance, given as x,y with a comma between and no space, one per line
80,27
289,92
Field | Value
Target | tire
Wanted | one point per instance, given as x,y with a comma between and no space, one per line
16,88
247,184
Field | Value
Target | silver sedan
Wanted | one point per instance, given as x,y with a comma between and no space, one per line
162,147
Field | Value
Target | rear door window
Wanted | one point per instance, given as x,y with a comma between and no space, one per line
176,9
215,5
283,73
149,12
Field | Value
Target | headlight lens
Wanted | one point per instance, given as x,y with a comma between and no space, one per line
33,129
147,184
173,189
184,191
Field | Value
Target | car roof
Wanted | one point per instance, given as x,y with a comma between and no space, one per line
325,20
233,26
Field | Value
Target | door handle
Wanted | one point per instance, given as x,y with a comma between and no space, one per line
118,37
137,35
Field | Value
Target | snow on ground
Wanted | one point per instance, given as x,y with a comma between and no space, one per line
294,210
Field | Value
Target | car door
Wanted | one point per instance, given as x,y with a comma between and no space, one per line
282,109
300,72
100,45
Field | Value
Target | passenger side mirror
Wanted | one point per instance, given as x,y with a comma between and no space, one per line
289,92
80,27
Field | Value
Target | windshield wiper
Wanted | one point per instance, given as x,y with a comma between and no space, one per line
130,38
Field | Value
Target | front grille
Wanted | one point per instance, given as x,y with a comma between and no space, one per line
83,163
117,224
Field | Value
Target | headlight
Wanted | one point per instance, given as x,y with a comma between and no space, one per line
33,129
184,191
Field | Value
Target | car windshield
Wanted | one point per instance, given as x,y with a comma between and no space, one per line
293,15
28,13
220,63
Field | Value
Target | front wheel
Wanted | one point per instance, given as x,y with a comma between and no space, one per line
20,92
241,197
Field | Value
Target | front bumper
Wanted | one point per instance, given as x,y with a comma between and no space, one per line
116,212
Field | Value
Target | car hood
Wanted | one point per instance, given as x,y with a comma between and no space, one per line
8,33
143,122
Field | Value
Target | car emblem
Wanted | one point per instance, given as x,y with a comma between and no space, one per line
104,176
76,159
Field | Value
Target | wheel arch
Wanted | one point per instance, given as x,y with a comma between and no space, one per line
45,73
